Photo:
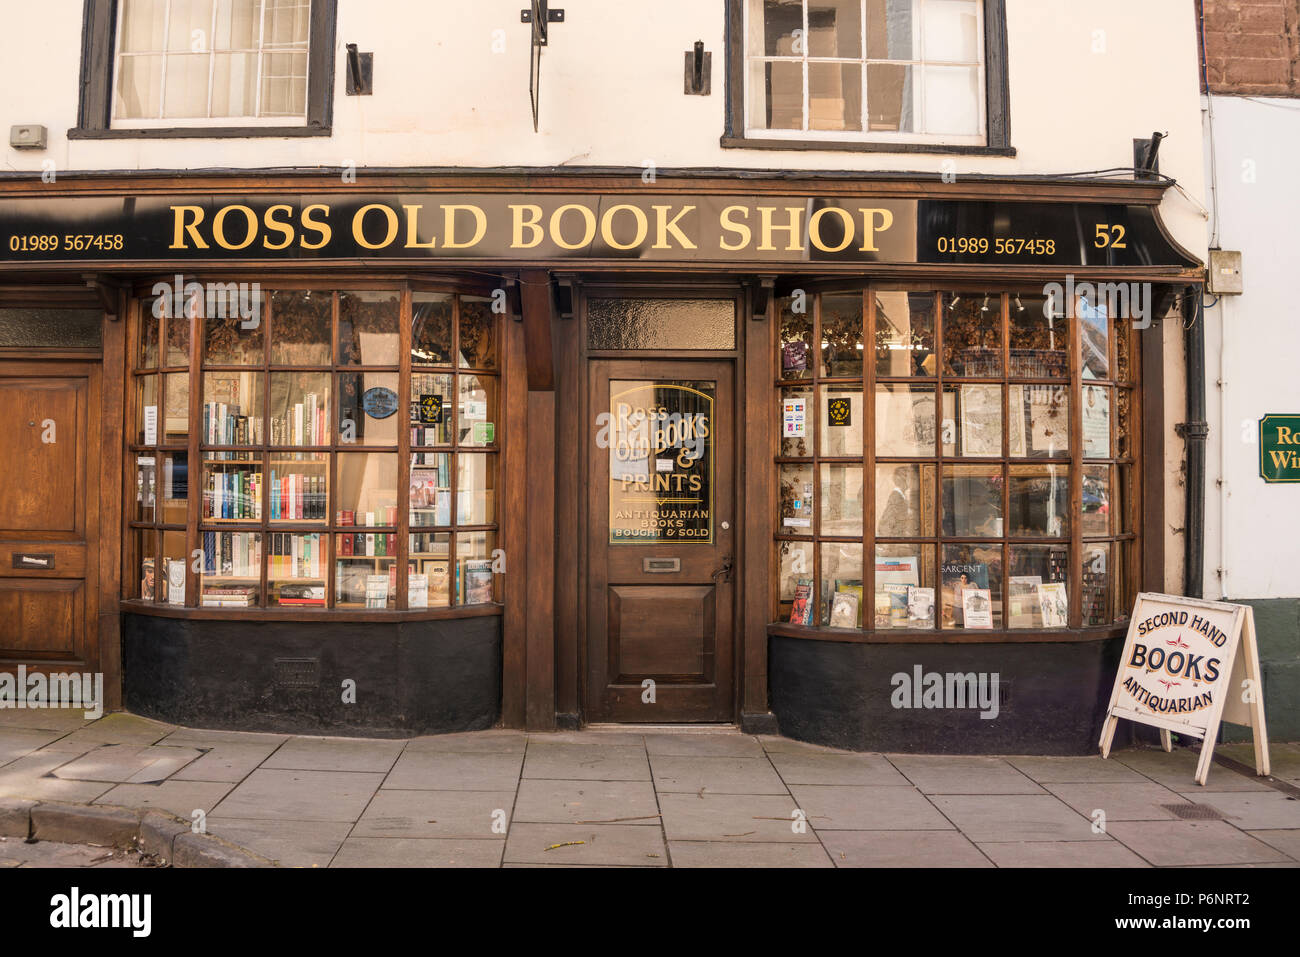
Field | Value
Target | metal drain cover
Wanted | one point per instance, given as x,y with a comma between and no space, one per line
1195,812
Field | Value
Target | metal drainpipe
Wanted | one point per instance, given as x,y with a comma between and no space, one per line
1193,433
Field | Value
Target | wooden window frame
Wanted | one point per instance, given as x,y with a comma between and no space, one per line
95,103
997,99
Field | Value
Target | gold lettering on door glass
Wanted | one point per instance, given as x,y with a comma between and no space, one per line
661,461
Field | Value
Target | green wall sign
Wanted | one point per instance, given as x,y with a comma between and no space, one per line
1279,448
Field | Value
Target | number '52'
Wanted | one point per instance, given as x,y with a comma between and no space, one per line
1112,236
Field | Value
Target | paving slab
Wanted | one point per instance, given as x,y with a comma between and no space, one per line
467,815
490,741
1252,810
961,774
1121,802
542,801
729,854
1199,843
901,849
30,777
601,844
1283,759
603,738
64,720
1083,770
715,775
336,754
181,798
289,843
200,738
1287,840
1015,817
230,762
300,795
853,808
703,745
15,742
117,728
1086,854
776,744
566,761
127,763
455,771
1177,770
423,852
52,854
803,767
733,817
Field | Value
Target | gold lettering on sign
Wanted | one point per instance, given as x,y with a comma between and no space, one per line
181,228
533,222
795,214
815,229
219,227
358,226
274,225
412,233
870,228
449,225
588,217
728,224
664,226
607,226
319,226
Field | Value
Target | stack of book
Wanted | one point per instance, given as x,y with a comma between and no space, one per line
295,556
223,425
302,595
298,496
229,596
233,495
302,424
367,544
232,554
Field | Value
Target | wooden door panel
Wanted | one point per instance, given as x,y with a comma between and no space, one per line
40,447
41,618
662,631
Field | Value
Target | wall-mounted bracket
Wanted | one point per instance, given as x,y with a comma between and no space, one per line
699,71
360,81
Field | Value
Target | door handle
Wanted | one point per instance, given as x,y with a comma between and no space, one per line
723,573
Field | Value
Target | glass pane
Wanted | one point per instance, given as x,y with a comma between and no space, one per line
904,334
952,100
300,327
1038,591
951,31
234,84
478,348
1094,327
776,96
142,25
232,569
1096,598
430,561
476,489
971,583
891,95
660,462
300,487
232,408
367,408
300,408
904,591
835,28
905,421
188,23
365,572
368,328
1097,503
1123,497
1039,424
972,501
284,84
146,410
138,88
773,25
1123,354
430,492
173,487
367,488
972,334
834,96
178,333
236,338
430,328
150,326
1124,423
841,500
232,487
176,408
146,488
1096,422
840,415
841,353
430,411
905,501
295,569
972,421
841,602
796,504
1039,339
677,324
476,413
146,548
795,561
889,29
475,581
172,568
1039,501
185,92
796,406
23,328
796,337
239,26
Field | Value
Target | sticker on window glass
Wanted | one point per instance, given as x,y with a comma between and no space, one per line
839,412
794,418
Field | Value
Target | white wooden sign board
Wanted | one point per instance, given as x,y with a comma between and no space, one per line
1189,664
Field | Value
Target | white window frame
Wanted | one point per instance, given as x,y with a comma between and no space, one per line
163,122
918,93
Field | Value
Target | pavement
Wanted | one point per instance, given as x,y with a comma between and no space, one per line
652,798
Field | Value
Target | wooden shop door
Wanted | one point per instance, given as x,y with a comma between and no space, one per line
661,542
49,516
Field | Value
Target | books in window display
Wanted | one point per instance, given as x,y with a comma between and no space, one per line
893,577
920,607
977,608
955,578
232,554
801,611
312,596
233,496
476,581
229,596
844,610
224,425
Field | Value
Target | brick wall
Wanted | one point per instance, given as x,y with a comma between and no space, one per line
1252,47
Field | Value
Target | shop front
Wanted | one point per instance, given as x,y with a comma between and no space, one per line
446,451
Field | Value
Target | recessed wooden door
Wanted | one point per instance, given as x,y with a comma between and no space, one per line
661,548
47,573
